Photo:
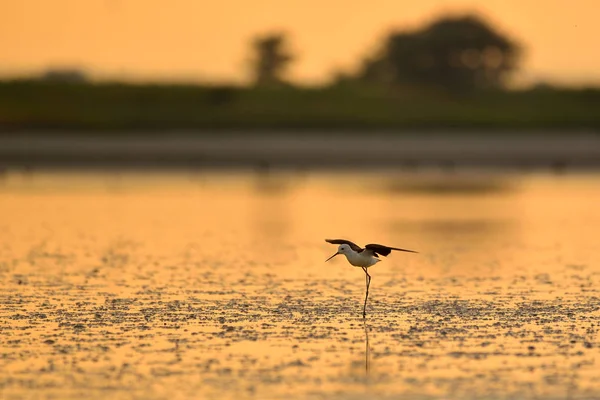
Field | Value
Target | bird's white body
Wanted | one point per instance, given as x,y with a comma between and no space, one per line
364,259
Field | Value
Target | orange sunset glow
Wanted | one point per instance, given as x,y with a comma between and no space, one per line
209,41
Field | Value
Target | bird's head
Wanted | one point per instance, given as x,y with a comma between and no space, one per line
342,249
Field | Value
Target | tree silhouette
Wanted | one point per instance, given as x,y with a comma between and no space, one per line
271,59
64,75
456,53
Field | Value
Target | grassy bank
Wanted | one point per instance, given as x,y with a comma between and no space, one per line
37,105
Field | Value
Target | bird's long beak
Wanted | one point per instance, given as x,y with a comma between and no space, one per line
333,256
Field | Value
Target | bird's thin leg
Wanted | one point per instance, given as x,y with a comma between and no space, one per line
368,281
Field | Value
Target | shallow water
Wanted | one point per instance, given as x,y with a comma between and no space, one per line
213,285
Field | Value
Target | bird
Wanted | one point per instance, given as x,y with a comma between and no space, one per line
363,257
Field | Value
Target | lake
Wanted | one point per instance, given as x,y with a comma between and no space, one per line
208,284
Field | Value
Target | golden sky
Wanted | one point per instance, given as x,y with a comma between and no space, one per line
208,40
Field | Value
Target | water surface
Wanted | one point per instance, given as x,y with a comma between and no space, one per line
212,285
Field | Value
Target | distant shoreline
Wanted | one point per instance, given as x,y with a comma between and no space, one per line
29,106
262,151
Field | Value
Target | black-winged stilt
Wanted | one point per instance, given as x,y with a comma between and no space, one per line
363,258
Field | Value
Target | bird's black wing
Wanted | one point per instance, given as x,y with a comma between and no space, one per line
352,245
385,250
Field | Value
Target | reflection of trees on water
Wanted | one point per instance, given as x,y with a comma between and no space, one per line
448,185
435,230
465,224
271,214
439,206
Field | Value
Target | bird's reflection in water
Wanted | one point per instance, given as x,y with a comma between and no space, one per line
367,350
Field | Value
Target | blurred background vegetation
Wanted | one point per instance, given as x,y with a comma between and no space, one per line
453,73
